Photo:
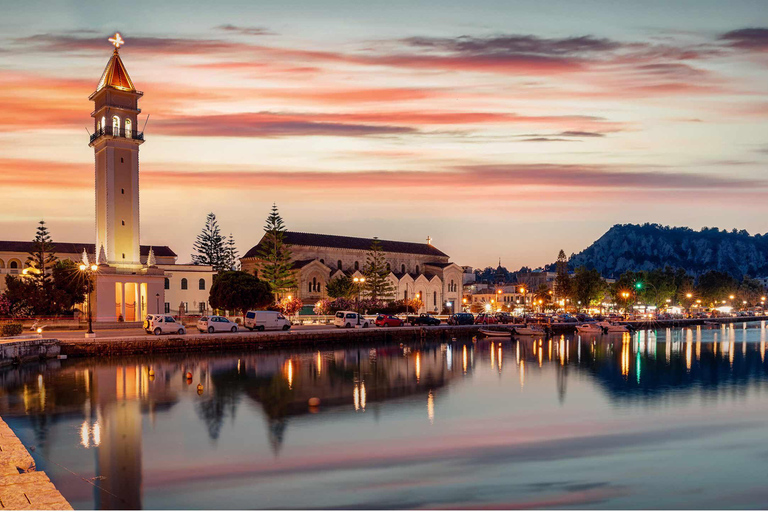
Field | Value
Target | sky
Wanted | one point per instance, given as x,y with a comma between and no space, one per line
501,129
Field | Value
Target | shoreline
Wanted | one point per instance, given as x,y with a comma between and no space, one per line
22,487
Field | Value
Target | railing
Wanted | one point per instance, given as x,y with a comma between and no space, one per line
12,271
110,131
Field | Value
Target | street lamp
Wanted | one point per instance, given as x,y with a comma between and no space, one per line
522,290
88,273
498,298
359,283
157,298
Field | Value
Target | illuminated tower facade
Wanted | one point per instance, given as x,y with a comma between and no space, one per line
116,142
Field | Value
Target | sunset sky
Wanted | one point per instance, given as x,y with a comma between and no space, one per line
501,129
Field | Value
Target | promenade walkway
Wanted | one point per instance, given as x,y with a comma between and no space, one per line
21,486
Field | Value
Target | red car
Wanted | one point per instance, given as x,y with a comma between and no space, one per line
486,318
388,321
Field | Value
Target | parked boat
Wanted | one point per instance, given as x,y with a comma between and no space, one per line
590,329
529,330
496,334
610,328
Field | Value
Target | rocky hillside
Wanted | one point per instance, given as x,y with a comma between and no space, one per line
634,247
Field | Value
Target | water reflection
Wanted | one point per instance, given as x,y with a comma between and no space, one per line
107,401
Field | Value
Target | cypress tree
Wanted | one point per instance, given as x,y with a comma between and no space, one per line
275,255
209,245
377,286
230,254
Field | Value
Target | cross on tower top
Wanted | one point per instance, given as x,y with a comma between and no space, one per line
117,40
429,240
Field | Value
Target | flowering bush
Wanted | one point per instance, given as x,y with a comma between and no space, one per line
5,306
342,304
322,307
290,306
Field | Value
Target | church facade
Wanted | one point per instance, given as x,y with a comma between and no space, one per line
131,280
416,270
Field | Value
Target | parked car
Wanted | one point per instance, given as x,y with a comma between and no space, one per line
388,321
423,319
216,323
163,324
461,319
504,318
266,321
349,319
486,319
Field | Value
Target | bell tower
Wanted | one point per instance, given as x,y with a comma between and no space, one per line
116,142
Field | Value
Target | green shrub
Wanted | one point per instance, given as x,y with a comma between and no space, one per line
11,329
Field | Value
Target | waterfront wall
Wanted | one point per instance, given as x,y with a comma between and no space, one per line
20,350
21,486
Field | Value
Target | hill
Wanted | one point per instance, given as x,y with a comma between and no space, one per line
644,247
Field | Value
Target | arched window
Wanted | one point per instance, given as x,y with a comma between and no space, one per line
434,299
103,123
357,265
184,284
417,269
13,264
167,284
338,264
402,269
115,126
128,129
389,269
201,284
98,126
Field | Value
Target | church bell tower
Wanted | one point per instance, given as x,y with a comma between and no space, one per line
116,142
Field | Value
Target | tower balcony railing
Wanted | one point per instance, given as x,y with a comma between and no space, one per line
117,132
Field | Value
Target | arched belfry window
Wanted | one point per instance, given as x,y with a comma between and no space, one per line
103,123
115,126
128,128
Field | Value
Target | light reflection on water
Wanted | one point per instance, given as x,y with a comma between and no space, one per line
674,418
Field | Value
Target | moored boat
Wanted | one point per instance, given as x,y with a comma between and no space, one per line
610,328
529,330
590,329
495,334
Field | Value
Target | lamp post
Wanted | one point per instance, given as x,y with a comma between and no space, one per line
157,299
498,299
359,283
88,273
522,290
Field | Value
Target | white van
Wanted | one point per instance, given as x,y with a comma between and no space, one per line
266,321
349,319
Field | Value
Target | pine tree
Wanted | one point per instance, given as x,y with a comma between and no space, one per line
231,255
209,245
42,258
275,255
562,280
377,286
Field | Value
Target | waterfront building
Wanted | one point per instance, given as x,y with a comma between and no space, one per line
132,280
415,269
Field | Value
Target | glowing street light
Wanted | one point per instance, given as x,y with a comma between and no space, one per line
359,283
88,272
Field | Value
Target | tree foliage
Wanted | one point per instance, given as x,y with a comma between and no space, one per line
588,287
239,291
275,256
41,259
231,255
209,246
377,286
339,287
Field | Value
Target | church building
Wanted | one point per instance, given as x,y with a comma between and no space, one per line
132,280
416,270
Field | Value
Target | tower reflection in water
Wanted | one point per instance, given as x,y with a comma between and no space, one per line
112,401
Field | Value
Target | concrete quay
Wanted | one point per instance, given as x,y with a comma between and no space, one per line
21,486
22,349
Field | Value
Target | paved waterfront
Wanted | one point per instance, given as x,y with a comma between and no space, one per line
21,487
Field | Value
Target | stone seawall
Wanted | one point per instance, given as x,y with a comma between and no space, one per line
20,350
248,340
21,486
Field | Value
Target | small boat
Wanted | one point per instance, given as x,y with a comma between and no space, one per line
590,329
610,328
529,330
496,334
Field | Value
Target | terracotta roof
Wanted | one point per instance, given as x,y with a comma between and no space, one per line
351,242
115,75
75,248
